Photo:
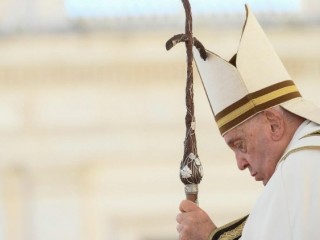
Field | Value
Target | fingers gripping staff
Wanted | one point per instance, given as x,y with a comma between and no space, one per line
190,167
193,222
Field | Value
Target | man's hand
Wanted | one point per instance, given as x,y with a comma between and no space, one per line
193,222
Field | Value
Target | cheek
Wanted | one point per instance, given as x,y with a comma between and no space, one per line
264,160
259,153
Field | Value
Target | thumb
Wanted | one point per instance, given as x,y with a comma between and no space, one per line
188,206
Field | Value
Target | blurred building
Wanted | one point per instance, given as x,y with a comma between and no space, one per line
92,118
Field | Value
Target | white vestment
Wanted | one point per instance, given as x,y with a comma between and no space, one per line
289,207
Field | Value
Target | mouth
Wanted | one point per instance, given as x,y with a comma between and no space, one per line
253,174
256,176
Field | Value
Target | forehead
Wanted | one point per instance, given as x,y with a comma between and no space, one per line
241,131
234,134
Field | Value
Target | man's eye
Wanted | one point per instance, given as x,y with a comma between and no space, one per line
240,146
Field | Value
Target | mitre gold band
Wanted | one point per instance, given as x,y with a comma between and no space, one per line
254,103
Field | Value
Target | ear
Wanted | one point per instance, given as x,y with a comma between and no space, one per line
276,122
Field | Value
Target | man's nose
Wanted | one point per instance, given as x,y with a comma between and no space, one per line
241,162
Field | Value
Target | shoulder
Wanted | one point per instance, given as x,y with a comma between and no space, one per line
304,142
300,168
301,160
299,176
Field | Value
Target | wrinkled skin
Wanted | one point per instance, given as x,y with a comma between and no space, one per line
258,144
193,222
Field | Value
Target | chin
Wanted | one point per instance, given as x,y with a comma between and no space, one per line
265,182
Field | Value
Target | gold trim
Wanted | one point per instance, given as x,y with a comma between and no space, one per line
284,157
234,233
315,133
231,234
254,102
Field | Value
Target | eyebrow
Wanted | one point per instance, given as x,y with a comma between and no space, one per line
232,140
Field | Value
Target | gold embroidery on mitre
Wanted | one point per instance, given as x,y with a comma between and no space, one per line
255,102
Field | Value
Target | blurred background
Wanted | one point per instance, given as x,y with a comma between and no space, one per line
92,112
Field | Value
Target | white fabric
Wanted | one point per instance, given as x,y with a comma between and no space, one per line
257,62
220,79
303,108
258,67
289,208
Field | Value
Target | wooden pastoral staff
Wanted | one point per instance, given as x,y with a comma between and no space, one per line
190,168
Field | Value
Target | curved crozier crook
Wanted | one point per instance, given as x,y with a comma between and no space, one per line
184,38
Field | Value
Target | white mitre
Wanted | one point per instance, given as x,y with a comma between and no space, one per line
252,81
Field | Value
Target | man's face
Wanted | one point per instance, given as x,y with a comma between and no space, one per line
254,148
